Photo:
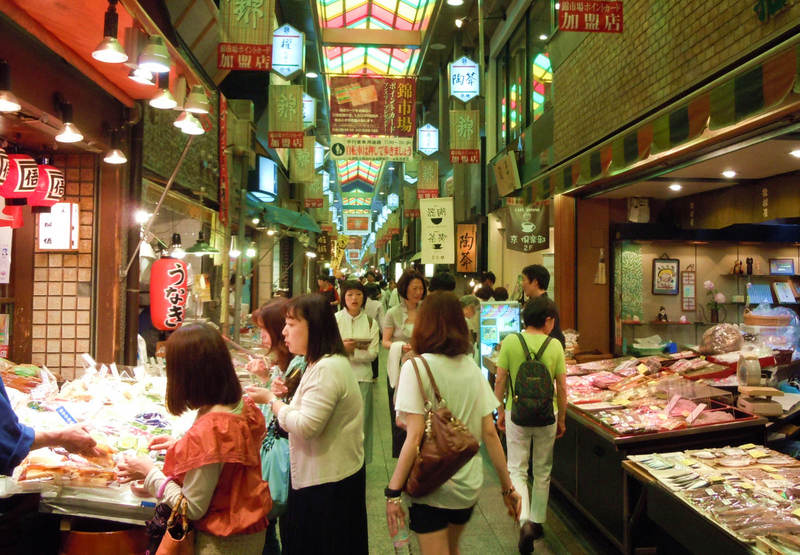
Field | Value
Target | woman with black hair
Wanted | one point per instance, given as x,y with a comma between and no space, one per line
327,509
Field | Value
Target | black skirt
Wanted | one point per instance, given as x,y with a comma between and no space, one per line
328,518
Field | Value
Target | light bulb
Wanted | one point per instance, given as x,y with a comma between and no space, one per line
155,56
459,22
251,251
141,76
9,102
730,174
256,221
115,156
110,51
234,253
311,254
312,74
455,3
197,101
675,187
795,153
69,134
192,125
163,100
141,216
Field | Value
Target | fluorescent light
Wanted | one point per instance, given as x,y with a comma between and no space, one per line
730,174
675,187
795,153
312,74
115,156
69,134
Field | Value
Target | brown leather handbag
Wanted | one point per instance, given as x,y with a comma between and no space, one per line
446,445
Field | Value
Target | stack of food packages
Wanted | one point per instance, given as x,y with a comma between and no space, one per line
749,490
123,415
645,395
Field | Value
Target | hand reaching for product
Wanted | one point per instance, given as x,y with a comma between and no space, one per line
258,367
161,443
76,439
133,468
279,387
259,395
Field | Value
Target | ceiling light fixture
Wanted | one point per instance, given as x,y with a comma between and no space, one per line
69,132
256,220
543,37
234,251
141,216
201,247
115,154
180,121
192,125
675,187
251,250
459,22
312,74
155,56
141,76
163,100
176,250
311,254
197,101
730,174
8,102
455,3
109,50
795,153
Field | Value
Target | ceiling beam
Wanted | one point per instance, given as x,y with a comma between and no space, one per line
372,37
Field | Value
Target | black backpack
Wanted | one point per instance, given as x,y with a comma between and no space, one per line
532,398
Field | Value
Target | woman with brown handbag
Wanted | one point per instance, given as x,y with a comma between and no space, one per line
442,341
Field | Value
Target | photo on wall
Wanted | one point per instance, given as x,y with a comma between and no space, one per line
665,276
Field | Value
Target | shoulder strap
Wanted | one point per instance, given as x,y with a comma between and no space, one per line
419,381
543,348
524,346
433,382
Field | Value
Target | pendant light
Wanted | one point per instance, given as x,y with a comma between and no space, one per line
163,100
197,102
176,250
110,50
201,247
8,102
234,251
69,132
251,250
115,154
155,56
141,76
192,125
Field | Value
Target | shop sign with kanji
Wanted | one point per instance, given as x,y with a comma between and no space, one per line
245,35
169,288
506,173
427,139
323,245
465,81
436,215
301,164
223,160
528,226
373,106
357,223
390,149
590,16
288,51
428,184
285,116
410,203
465,145
467,245
314,193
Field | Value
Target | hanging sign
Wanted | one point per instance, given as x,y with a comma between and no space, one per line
410,203
4,166
49,190
467,254
58,229
288,51
309,111
301,162
506,174
245,41
6,242
390,149
168,292
314,193
373,106
285,116
338,251
597,16
465,81
438,246
357,223
323,245
465,137
21,180
528,226
224,184
427,139
428,184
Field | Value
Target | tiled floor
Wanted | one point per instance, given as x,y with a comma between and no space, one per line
490,531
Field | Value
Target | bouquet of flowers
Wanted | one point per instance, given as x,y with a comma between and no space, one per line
717,298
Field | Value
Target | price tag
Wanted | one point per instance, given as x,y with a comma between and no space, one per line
746,485
672,403
643,369
747,446
757,453
65,415
695,413
768,468
796,512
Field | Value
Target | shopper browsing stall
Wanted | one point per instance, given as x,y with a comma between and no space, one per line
531,427
216,465
327,510
442,340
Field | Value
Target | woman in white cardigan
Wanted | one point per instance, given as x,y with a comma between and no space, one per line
359,334
327,509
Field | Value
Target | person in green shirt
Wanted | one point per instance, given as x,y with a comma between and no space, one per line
539,316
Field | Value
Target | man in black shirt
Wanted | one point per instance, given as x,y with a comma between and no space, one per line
535,281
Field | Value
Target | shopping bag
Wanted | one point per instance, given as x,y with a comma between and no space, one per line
179,537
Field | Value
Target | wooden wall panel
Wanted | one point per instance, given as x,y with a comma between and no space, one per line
565,252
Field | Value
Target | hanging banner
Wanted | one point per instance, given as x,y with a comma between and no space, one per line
286,116
301,163
6,241
467,259
428,184
288,50
338,252
410,203
465,83
427,139
224,183
597,16
168,292
373,106
528,226
323,245
309,111
438,246
390,149
357,223
506,174
355,242
314,193
465,137
245,41
58,229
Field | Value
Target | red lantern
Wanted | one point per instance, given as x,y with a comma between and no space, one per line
49,190
4,163
23,176
169,288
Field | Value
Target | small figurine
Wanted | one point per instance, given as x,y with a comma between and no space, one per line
683,319
749,262
737,268
662,315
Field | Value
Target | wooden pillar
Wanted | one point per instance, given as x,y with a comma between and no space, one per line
565,259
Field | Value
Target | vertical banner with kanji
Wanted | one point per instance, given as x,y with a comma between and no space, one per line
410,203
314,193
506,173
323,245
438,246
338,253
286,117
590,16
428,181
245,41
467,248
465,137
301,163
224,183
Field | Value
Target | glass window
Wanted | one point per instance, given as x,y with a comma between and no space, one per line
541,72
517,82
502,99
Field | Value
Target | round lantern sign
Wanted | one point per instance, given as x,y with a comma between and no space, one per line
21,181
169,289
3,166
49,190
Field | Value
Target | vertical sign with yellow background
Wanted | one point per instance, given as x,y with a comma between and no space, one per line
245,41
286,117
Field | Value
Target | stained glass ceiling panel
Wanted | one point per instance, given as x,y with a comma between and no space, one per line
406,15
370,60
350,170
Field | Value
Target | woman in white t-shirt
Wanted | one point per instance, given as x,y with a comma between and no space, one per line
441,337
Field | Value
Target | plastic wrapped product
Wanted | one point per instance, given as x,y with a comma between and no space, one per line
722,338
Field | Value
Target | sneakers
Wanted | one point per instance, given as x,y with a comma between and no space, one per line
529,532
